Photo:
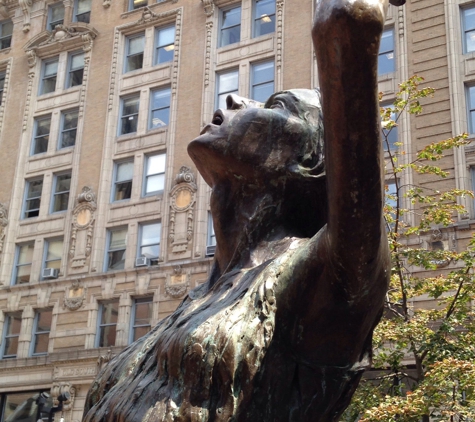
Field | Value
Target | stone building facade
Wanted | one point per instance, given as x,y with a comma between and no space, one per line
104,221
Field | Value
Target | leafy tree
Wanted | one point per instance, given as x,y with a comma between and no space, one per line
424,360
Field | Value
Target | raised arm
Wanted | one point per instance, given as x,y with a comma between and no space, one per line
346,37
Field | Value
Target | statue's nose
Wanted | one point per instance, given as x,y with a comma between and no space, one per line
235,102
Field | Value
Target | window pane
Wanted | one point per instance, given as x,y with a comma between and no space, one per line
63,182
386,55
470,41
77,61
43,127
118,239
230,35
150,251
25,254
161,98
84,6
134,62
138,3
155,183
140,332
143,312
51,68
123,191
107,336
265,8
131,106
7,28
44,321
263,92
231,17
23,274
14,325
110,312
228,82
136,45
57,12
156,164
263,72
70,120
41,343
166,36
151,234
116,260
34,188
21,407
125,171
471,97
160,118
11,346
55,250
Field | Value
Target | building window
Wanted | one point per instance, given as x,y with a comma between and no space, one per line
159,108
108,315
41,330
471,108
386,53
75,70
61,188
23,406
53,253
50,73
23,261
262,81
55,15
11,335
149,242
391,135
141,318
154,174
264,17
134,52
228,83
6,30
136,4
123,174
211,240
117,241
33,189
468,25
230,32
129,115
2,86
82,11
69,127
164,44
41,135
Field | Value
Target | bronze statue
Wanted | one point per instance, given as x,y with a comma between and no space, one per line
282,330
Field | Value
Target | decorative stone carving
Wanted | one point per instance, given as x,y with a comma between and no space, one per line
279,32
4,9
208,6
82,229
25,7
178,283
104,359
209,39
106,3
74,296
7,65
3,224
183,197
63,388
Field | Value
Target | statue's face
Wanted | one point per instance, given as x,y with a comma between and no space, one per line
251,140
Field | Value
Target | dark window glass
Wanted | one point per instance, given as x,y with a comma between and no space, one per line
109,312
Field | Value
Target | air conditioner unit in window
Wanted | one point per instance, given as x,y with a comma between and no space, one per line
142,261
50,273
210,250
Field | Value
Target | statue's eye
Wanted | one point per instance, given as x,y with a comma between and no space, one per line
278,104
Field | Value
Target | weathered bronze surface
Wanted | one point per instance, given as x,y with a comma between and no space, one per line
282,330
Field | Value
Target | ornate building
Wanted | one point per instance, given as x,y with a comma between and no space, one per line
104,222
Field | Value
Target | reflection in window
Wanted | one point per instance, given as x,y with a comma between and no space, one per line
76,70
264,17
23,261
124,172
55,15
149,242
141,317
228,83
468,24
230,26
160,108
69,126
116,249
471,108
390,134
211,238
164,44
62,186
41,135
2,86
32,203
108,313
386,53
53,253
50,72
154,174
262,81
6,30
11,335
41,330
129,115
135,4
82,11
134,52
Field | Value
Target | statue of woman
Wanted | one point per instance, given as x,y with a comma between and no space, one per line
282,329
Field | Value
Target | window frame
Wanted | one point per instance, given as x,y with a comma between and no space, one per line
26,198
117,182
5,37
35,332
226,93
221,23
45,261
210,237
392,146
110,230
50,22
470,123
8,315
133,313
16,264
255,19
131,5
253,77
44,78
54,193
464,30
381,53
36,136
140,243
146,176
68,82
128,55
3,75
157,46
101,324
62,130
76,14
122,116
151,109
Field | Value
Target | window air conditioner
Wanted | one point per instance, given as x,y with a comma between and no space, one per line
142,261
50,273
